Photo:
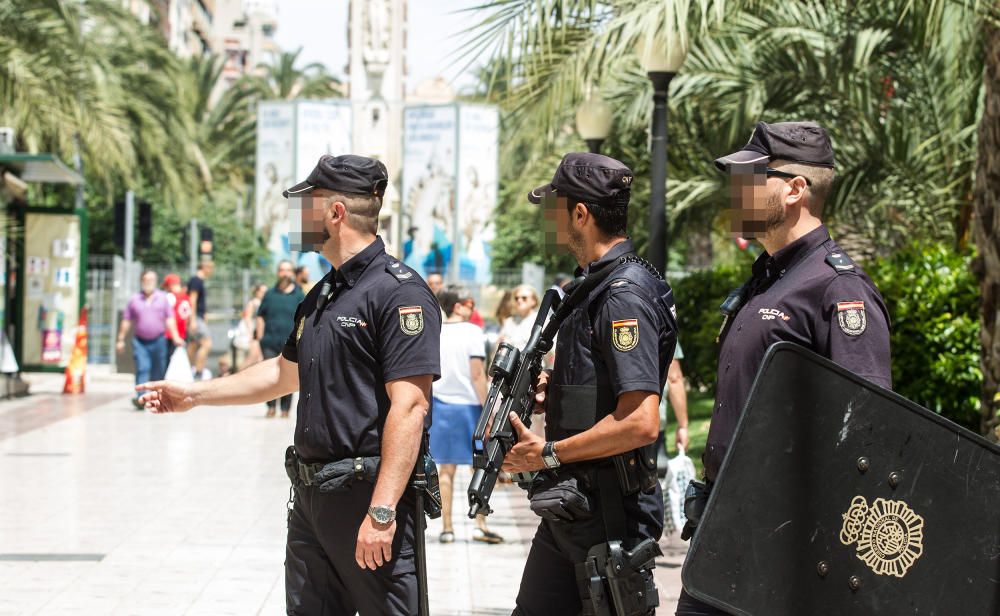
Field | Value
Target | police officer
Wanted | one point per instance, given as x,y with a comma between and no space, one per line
802,289
363,354
602,397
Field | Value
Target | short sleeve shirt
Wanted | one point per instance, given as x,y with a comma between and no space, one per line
461,342
148,314
379,323
197,285
277,308
808,293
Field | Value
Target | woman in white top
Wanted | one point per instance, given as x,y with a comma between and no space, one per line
517,328
458,397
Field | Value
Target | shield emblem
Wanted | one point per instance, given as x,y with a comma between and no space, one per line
411,320
625,334
851,318
298,331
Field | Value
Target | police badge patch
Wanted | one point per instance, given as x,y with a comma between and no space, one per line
851,317
411,320
625,334
298,332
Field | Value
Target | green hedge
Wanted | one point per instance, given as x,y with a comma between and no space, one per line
933,300
698,296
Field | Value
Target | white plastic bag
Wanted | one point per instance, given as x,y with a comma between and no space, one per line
680,472
179,368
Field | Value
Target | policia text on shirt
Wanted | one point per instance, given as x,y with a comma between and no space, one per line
363,354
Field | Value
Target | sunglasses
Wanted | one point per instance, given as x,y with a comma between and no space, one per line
742,170
781,174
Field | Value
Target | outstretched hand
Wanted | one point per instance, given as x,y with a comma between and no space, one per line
166,396
526,455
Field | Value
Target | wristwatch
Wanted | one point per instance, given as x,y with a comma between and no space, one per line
383,514
549,457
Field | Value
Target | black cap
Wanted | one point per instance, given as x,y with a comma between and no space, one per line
350,174
798,142
591,178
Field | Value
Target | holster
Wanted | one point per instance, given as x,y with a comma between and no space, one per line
695,500
614,581
636,469
425,479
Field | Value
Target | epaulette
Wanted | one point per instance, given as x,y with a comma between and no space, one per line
399,271
840,262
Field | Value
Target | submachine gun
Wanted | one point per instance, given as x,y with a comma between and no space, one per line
514,374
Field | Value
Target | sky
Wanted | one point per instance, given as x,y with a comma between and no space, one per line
434,34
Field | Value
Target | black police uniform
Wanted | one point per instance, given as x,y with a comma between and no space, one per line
620,339
379,323
810,293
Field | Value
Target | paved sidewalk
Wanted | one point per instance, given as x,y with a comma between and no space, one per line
107,510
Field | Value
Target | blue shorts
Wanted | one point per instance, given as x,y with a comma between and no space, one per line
451,432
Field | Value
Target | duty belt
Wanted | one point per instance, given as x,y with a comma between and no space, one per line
307,472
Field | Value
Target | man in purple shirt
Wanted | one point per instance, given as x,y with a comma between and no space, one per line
153,318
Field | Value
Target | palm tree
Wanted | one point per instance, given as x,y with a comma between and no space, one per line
90,73
282,80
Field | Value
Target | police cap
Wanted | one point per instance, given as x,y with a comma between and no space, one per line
344,174
591,178
799,142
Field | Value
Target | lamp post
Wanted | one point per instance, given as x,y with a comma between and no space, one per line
661,58
593,122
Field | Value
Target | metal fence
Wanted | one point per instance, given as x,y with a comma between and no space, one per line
109,287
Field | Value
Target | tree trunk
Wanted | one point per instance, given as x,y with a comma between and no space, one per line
987,233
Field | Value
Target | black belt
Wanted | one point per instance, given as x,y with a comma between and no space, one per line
362,472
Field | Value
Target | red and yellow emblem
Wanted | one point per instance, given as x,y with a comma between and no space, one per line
411,320
625,334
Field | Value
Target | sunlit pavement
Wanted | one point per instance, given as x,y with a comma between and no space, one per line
107,510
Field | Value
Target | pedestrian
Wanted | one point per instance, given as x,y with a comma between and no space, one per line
151,318
363,354
247,329
435,281
505,307
598,482
458,401
199,338
275,322
181,304
302,278
803,288
516,329
675,393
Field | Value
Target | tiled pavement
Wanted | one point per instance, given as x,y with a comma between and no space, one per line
106,510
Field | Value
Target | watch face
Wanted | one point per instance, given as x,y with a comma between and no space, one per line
383,515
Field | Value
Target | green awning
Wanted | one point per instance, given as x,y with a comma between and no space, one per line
41,168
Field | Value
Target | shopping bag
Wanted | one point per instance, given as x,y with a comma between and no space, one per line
179,368
680,472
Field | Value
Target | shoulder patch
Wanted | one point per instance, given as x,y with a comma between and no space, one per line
840,262
411,320
625,334
851,317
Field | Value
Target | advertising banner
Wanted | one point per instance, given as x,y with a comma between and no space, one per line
478,136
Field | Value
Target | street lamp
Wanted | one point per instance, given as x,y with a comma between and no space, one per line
661,58
593,122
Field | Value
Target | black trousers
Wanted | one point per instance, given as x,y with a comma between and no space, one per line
689,606
548,585
321,575
286,401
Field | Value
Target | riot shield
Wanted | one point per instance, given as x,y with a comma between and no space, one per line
838,497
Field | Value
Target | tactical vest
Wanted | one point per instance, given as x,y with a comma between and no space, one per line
580,392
